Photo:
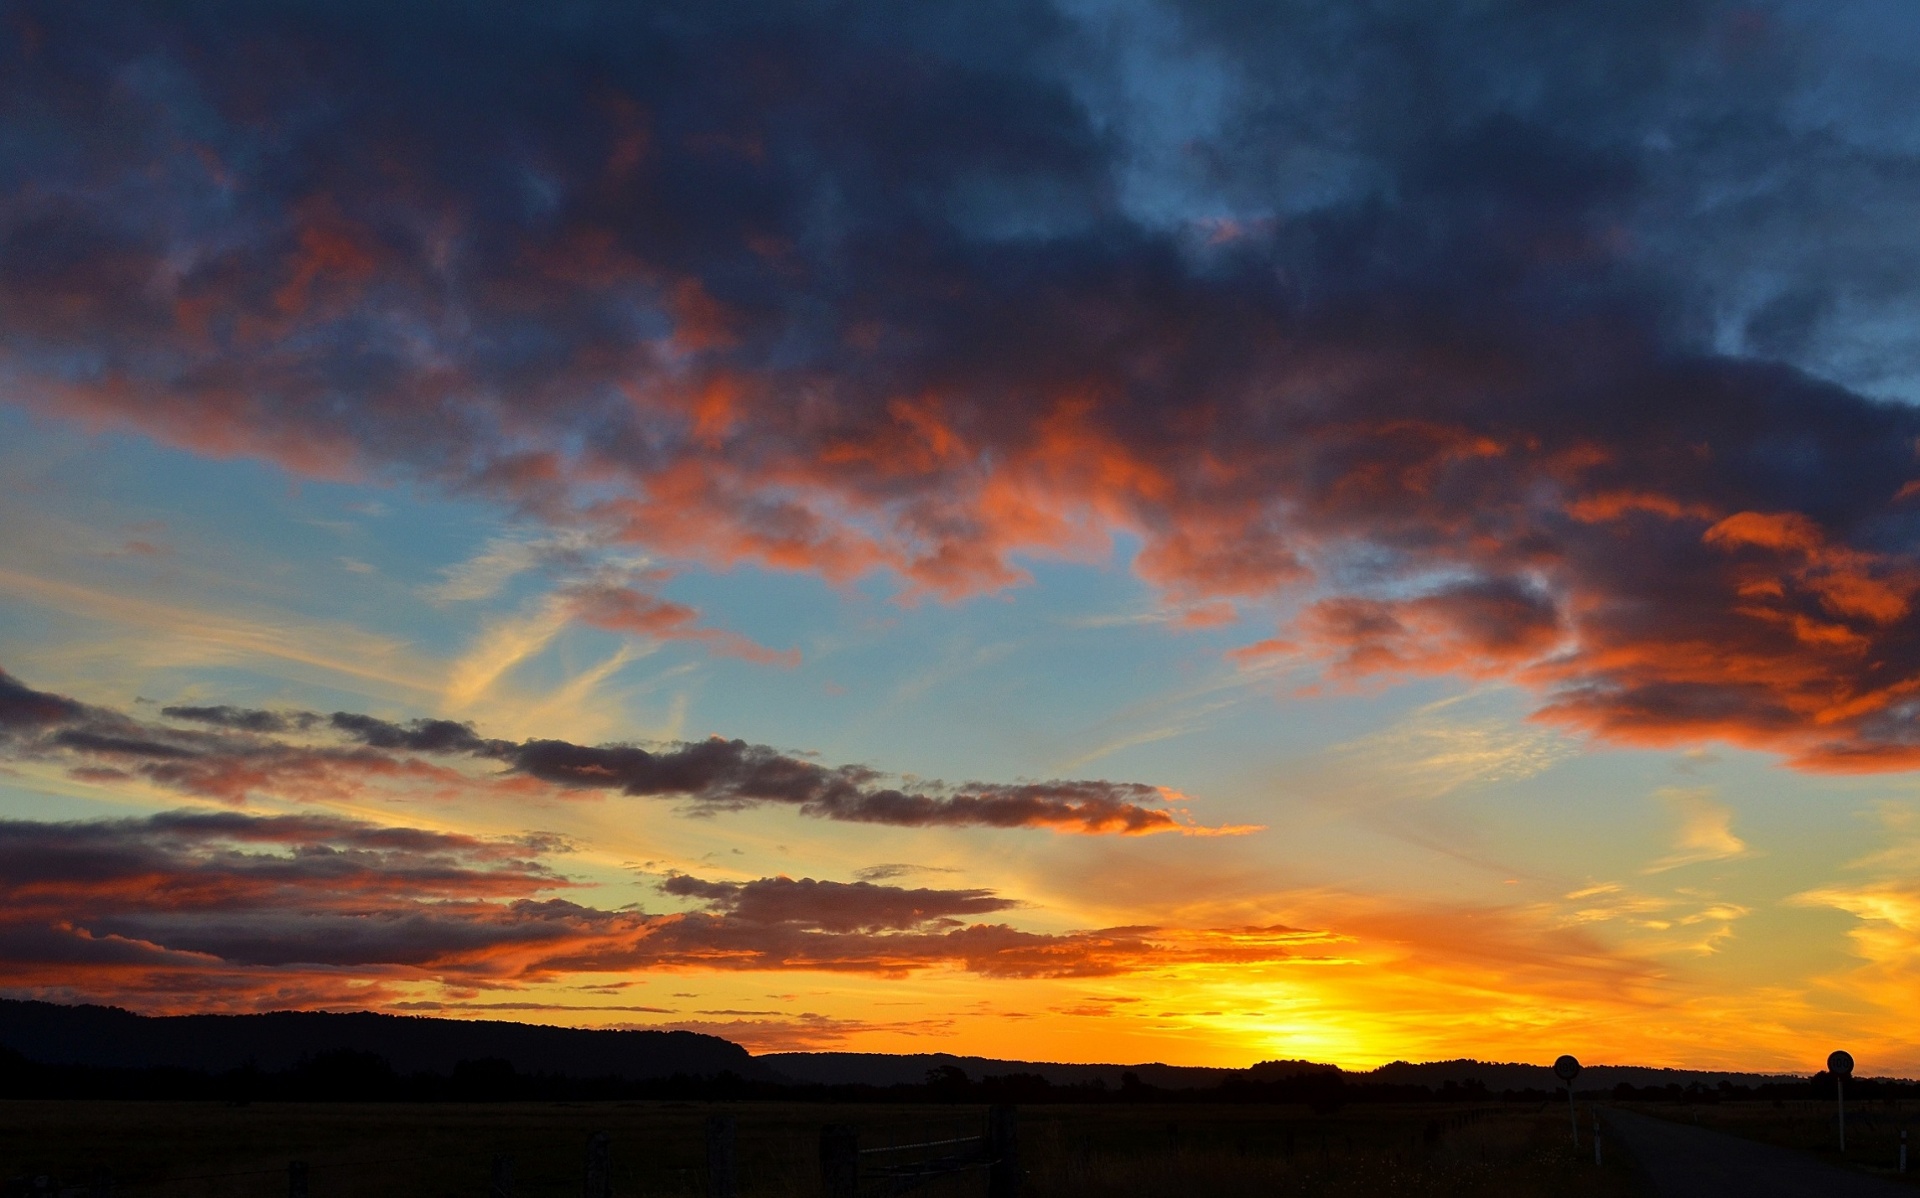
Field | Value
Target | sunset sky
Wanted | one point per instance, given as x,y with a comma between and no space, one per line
1096,532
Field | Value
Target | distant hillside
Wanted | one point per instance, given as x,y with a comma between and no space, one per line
884,1069
108,1037
887,1069
113,1039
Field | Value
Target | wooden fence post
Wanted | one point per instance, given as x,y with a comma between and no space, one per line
1003,1149
599,1180
722,1176
502,1184
840,1160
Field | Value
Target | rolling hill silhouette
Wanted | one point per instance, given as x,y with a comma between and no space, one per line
364,1054
889,1069
112,1038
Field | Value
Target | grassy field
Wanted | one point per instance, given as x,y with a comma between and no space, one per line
166,1150
1873,1129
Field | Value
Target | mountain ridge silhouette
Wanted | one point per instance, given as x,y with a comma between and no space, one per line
115,1038
105,1037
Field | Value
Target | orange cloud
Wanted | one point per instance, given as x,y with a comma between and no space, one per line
620,608
812,343
275,903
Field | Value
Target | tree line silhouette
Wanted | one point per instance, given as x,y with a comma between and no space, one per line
351,1075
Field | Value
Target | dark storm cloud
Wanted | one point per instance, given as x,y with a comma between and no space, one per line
835,906
22,707
258,752
197,890
419,736
242,719
1492,330
722,774
325,852
192,909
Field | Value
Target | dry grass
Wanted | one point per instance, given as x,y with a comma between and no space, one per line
162,1150
1873,1129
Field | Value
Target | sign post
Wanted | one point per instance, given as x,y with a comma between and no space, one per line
1840,1065
723,1180
1566,1069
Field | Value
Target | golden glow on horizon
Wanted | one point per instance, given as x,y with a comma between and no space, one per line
1651,961
1607,971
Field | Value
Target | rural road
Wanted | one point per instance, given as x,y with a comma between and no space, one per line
1691,1162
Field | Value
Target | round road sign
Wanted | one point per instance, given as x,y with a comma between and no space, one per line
1566,1069
1840,1064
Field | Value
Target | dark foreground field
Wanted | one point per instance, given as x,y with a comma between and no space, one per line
180,1150
1873,1129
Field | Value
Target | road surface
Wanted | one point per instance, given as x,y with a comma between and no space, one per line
1681,1161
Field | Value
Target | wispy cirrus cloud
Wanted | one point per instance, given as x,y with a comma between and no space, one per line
614,592
1705,832
1879,891
1450,744
1686,920
504,558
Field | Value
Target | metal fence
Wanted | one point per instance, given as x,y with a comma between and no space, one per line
850,1171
